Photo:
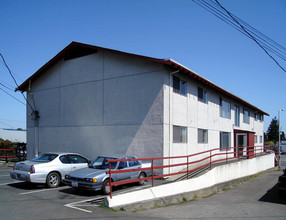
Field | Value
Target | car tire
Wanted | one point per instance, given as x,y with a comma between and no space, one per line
53,180
142,182
105,189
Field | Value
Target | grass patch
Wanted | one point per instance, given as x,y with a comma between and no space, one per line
225,188
195,197
107,209
184,199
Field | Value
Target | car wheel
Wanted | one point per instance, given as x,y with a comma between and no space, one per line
142,182
53,180
105,189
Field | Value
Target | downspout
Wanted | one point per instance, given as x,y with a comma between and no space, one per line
170,139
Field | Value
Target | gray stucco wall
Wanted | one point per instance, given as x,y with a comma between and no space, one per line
102,103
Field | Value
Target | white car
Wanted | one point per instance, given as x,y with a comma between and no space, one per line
49,168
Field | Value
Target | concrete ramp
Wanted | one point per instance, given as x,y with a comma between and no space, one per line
215,176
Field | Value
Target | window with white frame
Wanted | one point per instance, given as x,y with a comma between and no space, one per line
260,139
224,140
255,139
202,136
225,108
179,134
179,86
258,117
236,116
246,116
202,95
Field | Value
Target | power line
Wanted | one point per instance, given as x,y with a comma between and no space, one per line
12,96
260,39
6,86
15,83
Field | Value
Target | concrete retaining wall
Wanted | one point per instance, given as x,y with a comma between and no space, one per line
217,175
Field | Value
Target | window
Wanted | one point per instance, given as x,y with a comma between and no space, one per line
179,134
258,117
255,139
260,139
224,140
246,115
236,116
134,163
202,136
64,159
122,164
77,159
179,86
202,95
224,108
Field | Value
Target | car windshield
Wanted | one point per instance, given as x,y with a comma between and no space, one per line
101,163
45,158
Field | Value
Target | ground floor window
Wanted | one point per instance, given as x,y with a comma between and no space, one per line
202,136
179,134
224,140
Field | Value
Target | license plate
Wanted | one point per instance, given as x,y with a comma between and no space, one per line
74,184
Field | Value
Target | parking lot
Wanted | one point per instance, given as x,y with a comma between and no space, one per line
254,199
20,200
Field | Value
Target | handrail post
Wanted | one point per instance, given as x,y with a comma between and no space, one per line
152,173
187,167
110,187
226,155
210,159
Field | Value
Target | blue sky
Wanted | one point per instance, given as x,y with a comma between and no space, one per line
32,32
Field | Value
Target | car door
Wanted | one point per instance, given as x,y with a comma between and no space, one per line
123,165
77,161
134,165
66,166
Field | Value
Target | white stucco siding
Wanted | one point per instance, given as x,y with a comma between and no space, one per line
117,66
82,69
81,104
128,100
97,104
190,112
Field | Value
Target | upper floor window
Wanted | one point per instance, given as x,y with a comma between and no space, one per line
246,116
179,134
202,136
224,108
236,116
202,95
258,117
179,86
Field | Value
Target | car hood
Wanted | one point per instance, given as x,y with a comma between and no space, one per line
87,173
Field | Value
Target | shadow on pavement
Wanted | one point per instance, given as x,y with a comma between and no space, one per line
273,196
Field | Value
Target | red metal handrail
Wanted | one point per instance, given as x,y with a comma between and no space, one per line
238,152
7,155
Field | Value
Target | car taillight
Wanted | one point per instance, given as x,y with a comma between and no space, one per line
32,169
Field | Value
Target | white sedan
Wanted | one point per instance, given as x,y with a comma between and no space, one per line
49,168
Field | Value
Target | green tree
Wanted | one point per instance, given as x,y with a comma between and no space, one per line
273,131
